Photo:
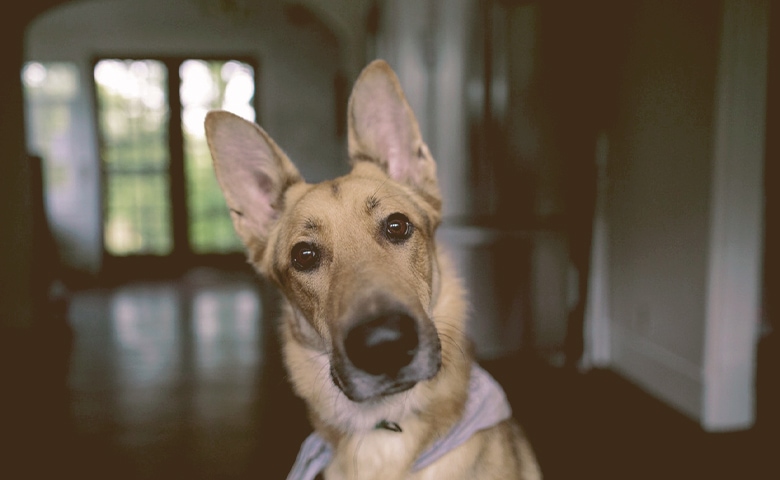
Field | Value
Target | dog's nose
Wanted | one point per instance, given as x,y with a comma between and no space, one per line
382,345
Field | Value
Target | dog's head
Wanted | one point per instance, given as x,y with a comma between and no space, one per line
354,256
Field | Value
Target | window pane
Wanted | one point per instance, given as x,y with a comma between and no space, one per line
132,118
208,85
52,93
50,90
135,221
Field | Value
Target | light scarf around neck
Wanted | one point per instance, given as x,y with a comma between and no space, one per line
486,407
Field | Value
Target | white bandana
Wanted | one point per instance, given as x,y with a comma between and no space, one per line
486,406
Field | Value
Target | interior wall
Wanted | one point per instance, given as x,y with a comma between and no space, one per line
658,203
296,85
670,237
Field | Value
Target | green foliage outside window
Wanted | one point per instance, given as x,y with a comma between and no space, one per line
206,86
132,118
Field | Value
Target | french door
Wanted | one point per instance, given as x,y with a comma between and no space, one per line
160,197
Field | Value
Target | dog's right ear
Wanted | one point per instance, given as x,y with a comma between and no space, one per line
252,171
382,129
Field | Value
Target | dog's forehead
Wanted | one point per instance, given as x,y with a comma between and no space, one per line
350,197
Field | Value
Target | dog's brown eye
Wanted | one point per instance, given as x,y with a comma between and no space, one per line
398,228
305,256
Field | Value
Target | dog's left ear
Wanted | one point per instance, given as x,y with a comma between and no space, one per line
384,130
253,173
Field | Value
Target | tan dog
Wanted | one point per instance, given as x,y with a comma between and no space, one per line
373,330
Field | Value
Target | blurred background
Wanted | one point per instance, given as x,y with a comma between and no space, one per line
606,171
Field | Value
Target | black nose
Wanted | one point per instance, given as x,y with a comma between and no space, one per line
382,345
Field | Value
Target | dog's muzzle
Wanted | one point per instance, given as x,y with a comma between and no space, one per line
385,353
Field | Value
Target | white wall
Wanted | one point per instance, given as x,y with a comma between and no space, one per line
296,84
683,207
660,169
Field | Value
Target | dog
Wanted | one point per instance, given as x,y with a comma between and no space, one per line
374,313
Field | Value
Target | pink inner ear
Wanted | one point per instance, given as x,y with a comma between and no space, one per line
387,127
264,199
254,196
400,169
264,184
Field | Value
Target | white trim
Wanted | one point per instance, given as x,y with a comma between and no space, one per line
597,351
661,372
736,221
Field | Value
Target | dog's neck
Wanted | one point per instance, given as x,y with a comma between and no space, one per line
486,406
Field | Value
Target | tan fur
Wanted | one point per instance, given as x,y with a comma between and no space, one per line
359,270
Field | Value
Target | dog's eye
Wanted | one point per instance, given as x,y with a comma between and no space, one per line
305,256
398,228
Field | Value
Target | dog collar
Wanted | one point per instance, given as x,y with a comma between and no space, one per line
387,425
486,406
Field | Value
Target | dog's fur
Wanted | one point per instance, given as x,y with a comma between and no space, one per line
346,264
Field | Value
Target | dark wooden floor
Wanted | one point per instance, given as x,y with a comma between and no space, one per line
183,380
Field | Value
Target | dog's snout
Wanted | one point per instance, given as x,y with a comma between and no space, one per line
383,345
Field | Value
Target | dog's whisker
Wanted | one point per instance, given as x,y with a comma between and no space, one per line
442,320
455,344
323,382
313,359
381,185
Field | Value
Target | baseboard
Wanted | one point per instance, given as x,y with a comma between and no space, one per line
672,379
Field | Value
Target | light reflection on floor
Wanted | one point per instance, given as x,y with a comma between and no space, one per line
169,369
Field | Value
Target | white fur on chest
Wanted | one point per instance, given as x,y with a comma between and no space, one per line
378,454
384,455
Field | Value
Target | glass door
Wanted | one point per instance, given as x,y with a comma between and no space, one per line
132,113
161,199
